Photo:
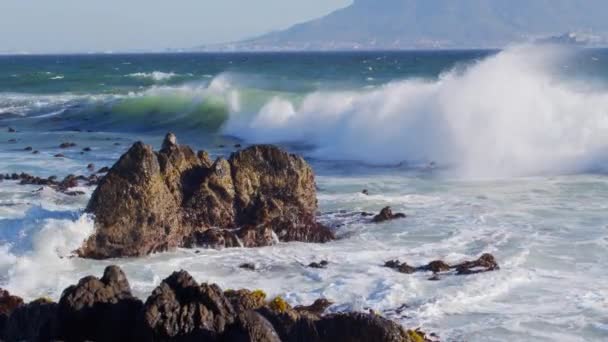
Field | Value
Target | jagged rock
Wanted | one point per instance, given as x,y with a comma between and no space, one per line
182,309
11,130
250,326
244,300
213,238
153,201
8,302
386,214
359,327
109,300
36,321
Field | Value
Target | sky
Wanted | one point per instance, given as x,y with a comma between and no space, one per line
119,25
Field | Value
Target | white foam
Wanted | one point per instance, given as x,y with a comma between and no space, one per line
154,75
42,269
508,115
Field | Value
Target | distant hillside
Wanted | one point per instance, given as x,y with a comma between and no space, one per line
404,24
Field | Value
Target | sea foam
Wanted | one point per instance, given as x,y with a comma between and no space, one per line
511,114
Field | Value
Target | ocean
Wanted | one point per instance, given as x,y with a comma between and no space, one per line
502,152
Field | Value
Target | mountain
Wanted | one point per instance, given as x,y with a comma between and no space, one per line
405,24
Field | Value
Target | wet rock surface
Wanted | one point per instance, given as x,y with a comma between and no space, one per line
181,309
153,201
64,185
386,214
485,263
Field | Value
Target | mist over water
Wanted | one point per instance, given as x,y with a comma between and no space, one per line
485,151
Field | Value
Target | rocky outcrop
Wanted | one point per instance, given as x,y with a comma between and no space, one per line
109,300
153,201
180,309
485,263
36,321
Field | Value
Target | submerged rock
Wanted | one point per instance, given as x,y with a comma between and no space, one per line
153,201
386,214
485,263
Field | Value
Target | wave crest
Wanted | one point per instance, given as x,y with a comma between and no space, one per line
511,114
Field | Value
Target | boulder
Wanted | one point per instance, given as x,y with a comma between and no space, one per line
386,214
153,201
181,309
109,300
36,321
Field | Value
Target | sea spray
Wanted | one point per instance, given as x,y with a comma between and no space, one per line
39,270
511,114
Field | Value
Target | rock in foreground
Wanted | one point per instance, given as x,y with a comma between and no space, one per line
180,309
153,201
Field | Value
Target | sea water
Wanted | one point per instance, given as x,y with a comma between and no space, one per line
501,152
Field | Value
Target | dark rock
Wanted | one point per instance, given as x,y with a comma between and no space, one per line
247,266
36,152
59,155
237,146
104,169
11,130
109,300
317,308
181,309
116,144
386,214
153,201
212,238
400,267
29,148
67,145
485,263
365,192
436,266
8,302
250,326
365,214
322,264
359,327
86,149
91,167
36,321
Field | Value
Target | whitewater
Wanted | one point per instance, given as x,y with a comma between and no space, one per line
501,152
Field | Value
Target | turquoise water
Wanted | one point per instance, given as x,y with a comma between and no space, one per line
486,151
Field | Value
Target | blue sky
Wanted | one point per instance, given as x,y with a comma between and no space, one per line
112,25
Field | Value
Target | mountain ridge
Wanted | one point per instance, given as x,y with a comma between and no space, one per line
436,24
